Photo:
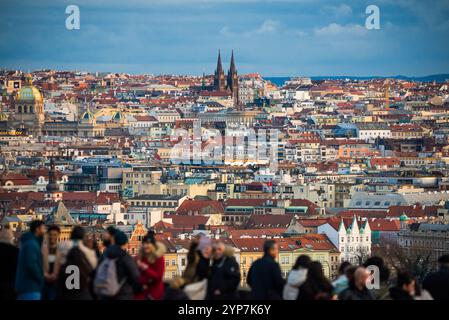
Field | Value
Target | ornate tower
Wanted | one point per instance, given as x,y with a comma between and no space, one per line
233,80
29,109
53,193
219,77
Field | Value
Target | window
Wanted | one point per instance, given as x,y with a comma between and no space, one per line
183,262
173,262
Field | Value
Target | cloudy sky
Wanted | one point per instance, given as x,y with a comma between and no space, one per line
272,37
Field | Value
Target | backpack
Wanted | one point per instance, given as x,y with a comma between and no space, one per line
106,282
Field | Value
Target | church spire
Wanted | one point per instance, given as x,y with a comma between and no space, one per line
219,78
219,66
233,81
232,67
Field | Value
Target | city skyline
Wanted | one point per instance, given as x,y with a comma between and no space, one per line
174,37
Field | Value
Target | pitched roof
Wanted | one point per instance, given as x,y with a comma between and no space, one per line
414,211
194,207
257,221
384,225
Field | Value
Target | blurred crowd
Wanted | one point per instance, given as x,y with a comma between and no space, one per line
43,268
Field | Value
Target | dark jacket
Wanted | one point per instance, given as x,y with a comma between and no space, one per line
315,291
399,294
126,270
30,273
198,267
202,268
76,257
9,254
353,293
265,279
437,283
224,276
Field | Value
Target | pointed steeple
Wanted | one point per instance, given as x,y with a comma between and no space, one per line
219,78
232,66
60,216
219,66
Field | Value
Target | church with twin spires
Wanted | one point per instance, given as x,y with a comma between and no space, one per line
229,83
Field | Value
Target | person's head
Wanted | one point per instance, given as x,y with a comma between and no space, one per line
91,241
78,233
205,247
315,272
53,233
443,261
349,272
219,250
38,228
406,282
361,276
120,239
303,262
149,243
342,268
384,272
271,248
108,236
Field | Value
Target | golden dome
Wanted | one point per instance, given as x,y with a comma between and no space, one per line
28,92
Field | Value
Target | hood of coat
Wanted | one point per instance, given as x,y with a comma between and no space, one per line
297,277
90,254
160,249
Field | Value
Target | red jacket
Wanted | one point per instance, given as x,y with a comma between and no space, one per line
152,279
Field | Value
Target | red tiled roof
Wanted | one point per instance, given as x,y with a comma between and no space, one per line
384,225
385,162
17,179
194,207
414,211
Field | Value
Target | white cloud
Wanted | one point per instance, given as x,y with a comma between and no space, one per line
340,11
268,26
338,29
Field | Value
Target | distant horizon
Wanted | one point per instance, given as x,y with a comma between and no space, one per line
239,73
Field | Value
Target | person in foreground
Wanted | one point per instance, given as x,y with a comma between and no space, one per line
316,286
151,264
225,274
357,289
437,283
117,275
30,273
264,276
296,277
